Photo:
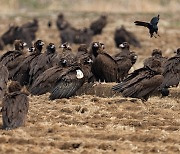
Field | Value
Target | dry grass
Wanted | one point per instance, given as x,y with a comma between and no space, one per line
91,124
126,6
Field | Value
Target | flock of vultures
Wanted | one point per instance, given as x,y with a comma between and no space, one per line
61,71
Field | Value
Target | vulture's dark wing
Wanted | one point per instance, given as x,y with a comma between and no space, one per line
143,88
14,110
171,72
105,68
39,65
124,65
46,81
21,73
131,79
9,56
68,85
141,23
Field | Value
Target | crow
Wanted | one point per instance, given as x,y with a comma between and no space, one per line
152,26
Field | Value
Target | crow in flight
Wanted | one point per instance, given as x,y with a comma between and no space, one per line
152,26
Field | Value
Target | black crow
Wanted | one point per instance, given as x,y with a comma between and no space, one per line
152,26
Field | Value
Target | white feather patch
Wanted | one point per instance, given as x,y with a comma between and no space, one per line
121,45
79,74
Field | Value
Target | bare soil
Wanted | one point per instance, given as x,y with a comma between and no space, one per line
92,124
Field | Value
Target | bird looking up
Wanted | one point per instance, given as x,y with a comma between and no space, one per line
152,26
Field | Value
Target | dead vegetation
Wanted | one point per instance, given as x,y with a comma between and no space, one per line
91,124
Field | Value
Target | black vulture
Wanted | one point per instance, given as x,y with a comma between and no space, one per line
22,71
122,35
125,60
104,67
142,82
98,25
171,71
11,59
15,107
43,62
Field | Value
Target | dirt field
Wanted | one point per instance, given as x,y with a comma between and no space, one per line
91,124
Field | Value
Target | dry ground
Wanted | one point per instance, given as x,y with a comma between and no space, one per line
91,124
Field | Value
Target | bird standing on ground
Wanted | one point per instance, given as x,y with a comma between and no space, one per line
156,54
11,59
15,107
104,67
22,71
43,62
171,71
142,82
125,60
152,26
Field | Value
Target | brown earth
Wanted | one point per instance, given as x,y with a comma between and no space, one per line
91,124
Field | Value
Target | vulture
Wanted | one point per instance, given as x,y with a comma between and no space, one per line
43,62
104,67
77,36
98,25
11,59
15,107
22,71
66,57
142,82
125,60
156,54
171,71
26,33
152,26
61,23
61,82
4,74
85,60
122,35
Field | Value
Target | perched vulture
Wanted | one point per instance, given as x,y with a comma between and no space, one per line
171,71
85,60
61,82
22,71
98,25
15,107
66,57
104,67
156,54
11,59
77,36
43,62
125,60
122,35
142,82
61,22
4,74
26,33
